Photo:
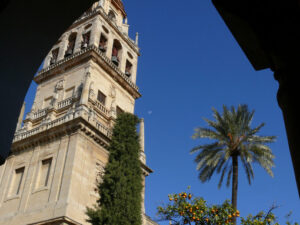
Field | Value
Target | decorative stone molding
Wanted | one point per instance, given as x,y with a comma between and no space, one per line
121,76
113,92
46,125
92,91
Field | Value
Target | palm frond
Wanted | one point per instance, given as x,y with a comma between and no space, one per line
248,169
225,169
229,177
232,133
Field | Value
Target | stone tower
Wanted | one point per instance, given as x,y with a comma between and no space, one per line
57,155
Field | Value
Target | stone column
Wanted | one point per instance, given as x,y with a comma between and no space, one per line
109,46
95,33
288,101
63,47
142,141
134,71
123,58
78,41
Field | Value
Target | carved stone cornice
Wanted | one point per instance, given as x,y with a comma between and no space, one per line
90,53
51,131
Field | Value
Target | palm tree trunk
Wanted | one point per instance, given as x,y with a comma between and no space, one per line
235,165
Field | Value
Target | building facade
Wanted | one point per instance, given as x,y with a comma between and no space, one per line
58,155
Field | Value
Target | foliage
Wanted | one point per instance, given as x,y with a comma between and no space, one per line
184,208
121,189
262,218
233,137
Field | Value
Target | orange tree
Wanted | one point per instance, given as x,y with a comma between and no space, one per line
184,208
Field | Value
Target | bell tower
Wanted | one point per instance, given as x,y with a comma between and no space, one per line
57,156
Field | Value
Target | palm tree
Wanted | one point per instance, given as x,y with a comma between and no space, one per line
233,139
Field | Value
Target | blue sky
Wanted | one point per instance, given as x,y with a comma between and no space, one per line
190,63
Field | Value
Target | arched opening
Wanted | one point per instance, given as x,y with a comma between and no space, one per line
112,16
85,40
103,43
71,44
128,69
116,52
54,55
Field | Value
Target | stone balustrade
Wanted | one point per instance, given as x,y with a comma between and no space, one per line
39,113
46,126
101,108
26,134
104,129
58,121
64,103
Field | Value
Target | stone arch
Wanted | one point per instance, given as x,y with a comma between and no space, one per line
116,52
112,16
71,44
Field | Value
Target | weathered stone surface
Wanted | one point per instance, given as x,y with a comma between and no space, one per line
57,156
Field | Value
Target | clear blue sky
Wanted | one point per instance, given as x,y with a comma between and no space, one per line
190,63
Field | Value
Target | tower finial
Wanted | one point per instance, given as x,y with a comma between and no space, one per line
137,38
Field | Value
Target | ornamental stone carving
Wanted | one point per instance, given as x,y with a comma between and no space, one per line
113,92
60,85
91,91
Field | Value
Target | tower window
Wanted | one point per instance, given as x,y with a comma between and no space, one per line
44,173
112,16
128,69
71,44
101,97
85,40
103,43
54,56
17,181
116,52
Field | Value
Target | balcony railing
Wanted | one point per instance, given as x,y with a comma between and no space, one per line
43,127
104,129
64,103
40,113
40,128
26,134
101,108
